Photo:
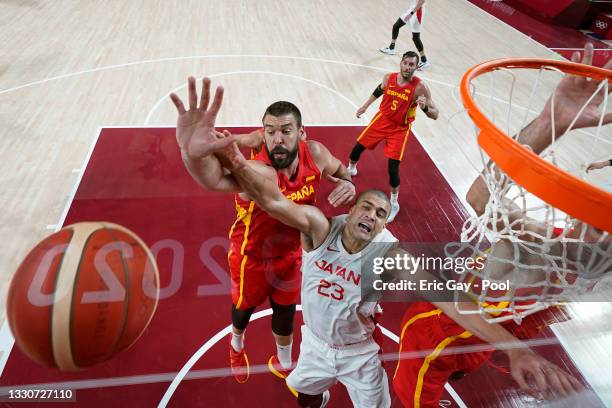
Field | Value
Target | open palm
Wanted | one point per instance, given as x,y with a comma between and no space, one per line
573,93
195,128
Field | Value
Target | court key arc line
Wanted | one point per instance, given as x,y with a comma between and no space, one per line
273,73
221,334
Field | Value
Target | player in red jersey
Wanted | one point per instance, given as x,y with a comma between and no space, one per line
402,94
265,255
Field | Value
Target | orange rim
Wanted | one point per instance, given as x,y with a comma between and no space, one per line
557,187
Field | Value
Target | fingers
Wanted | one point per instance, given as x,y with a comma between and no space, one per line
540,380
178,103
587,58
339,196
519,377
575,56
216,105
205,97
193,94
555,382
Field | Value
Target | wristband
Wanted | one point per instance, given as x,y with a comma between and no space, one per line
610,162
425,109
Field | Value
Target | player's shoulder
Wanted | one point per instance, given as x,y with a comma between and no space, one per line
385,236
316,149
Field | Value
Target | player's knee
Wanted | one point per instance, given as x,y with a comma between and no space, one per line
416,38
356,152
396,27
282,318
241,318
394,178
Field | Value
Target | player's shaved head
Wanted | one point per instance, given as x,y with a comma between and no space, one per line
375,192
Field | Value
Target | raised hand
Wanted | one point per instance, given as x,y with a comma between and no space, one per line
343,193
549,379
573,92
195,128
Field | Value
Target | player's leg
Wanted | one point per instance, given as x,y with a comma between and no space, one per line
394,34
354,158
368,139
284,278
247,293
364,377
416,23
395,143
394,183
314,372
282,329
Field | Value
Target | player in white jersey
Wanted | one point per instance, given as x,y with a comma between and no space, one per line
415,16
337,342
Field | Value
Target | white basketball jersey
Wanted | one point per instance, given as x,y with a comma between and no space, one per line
331,287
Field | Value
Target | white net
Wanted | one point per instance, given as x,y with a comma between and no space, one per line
536,255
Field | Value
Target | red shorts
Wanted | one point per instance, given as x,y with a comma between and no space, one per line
394,135
419,380
254,280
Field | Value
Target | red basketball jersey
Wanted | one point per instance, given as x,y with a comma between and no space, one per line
255,233
398,103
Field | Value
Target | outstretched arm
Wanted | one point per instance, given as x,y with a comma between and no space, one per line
195,135
569,97
524,363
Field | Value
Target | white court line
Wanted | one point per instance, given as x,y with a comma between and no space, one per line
198,354
227,126
580,49
76,185
117,66
273,73
7,341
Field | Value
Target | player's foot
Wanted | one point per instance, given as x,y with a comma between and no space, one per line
352,171
277,368
394,210
423,65
240,365
389,51
325,399
281,372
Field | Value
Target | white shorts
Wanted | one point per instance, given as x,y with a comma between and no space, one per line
416,21
358,367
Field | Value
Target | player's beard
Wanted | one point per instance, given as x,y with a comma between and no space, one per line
290,155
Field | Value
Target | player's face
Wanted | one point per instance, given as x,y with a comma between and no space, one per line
281,135
407,67
368,216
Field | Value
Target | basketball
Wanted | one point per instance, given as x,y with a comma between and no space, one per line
82,295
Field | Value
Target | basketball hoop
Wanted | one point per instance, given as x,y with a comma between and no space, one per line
553,263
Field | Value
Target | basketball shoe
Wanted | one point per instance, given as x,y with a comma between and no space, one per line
281,372
394,210
326,397
352,170
239,364
423,65
389,51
